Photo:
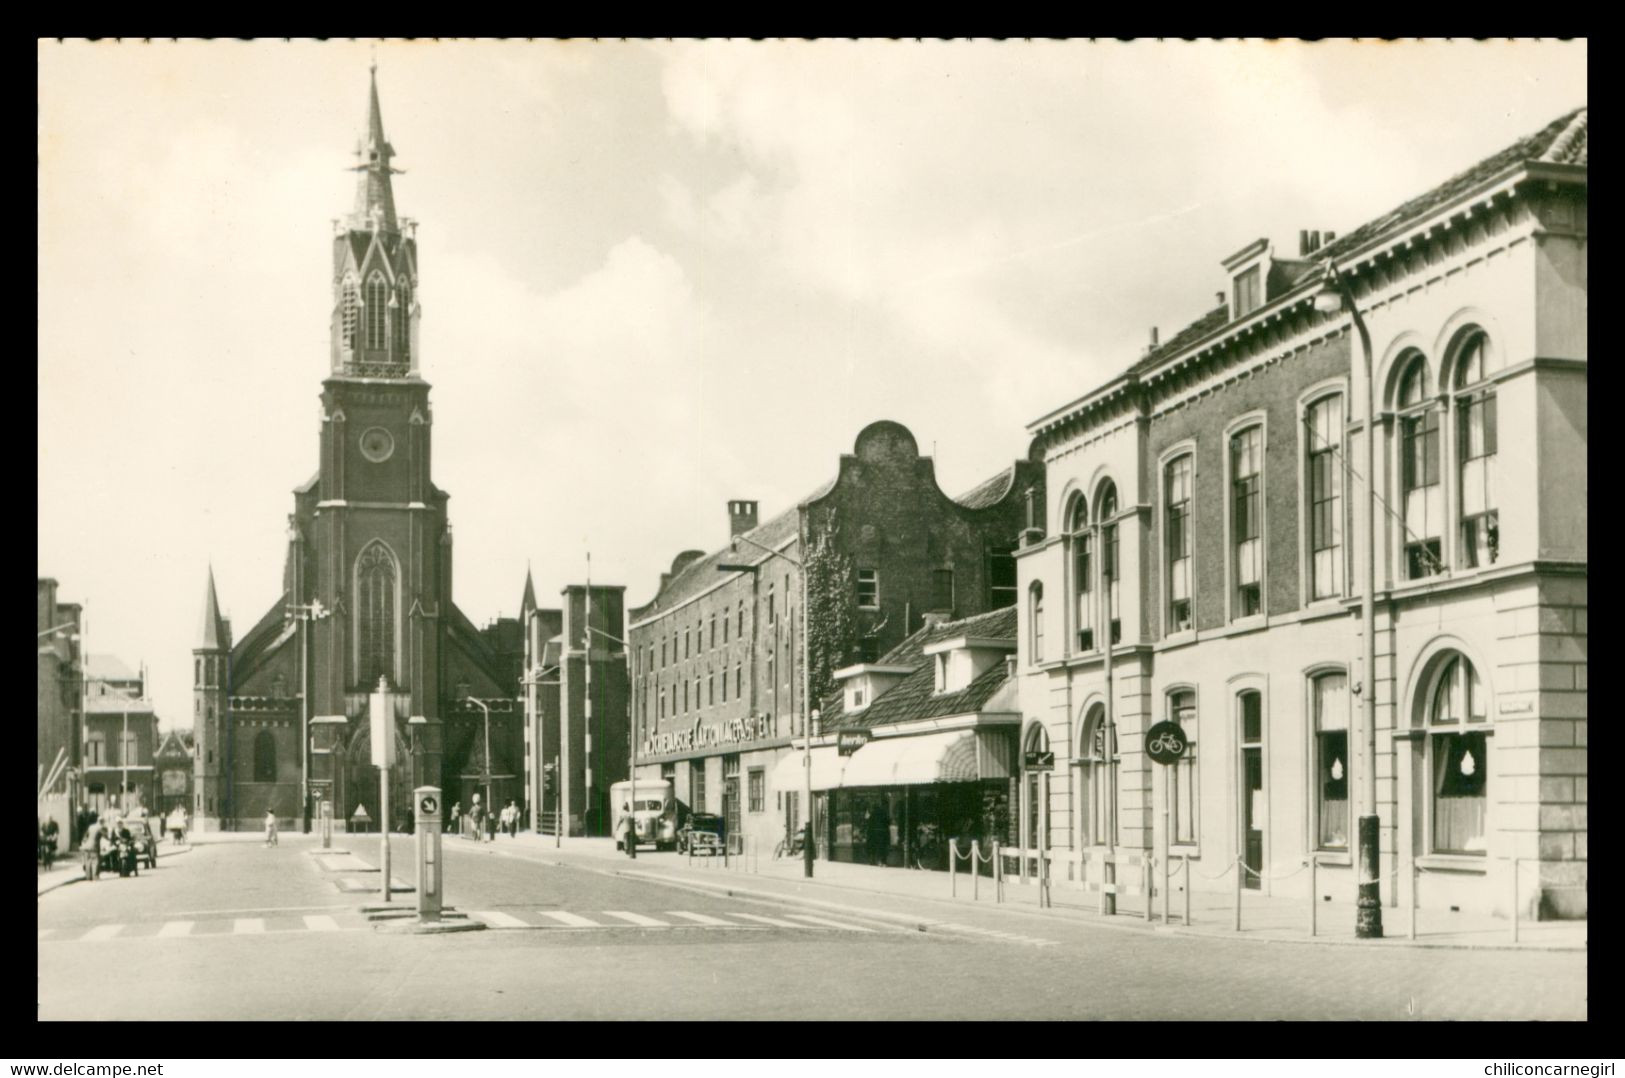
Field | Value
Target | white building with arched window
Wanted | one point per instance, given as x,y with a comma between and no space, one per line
1207,504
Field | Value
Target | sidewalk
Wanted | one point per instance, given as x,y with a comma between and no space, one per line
1263,918
69,869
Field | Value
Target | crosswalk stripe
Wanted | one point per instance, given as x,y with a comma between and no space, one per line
572,920
775,922
496,919
176,928
701,918
320,922
830,924
637,919
248,925
103,932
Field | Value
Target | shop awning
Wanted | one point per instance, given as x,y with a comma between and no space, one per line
953,756
827,765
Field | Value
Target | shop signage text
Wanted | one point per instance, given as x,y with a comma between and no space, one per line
849,741
703,735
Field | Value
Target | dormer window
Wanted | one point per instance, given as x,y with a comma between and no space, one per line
1247,268
942,673
1247,292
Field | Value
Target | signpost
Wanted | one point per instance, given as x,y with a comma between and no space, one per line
382,714
1165,743
1039,760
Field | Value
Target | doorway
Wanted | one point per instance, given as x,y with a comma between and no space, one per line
1252,788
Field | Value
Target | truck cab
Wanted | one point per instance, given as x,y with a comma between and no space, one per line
654,815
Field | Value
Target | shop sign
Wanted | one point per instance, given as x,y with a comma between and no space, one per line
1165,742
704,735
1039,760
849,741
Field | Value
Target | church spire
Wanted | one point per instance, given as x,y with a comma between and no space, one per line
374,196
528,602
211,634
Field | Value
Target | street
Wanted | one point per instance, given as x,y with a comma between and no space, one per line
577,941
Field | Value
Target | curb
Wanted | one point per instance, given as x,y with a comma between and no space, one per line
80,875
1138,925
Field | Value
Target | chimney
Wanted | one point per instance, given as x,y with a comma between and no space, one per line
1311,241
741,517
1218,297
931,619
1153,345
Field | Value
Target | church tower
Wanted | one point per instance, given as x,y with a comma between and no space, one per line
211,664
377,524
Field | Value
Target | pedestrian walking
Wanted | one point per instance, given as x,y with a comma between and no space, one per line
477,815
270,827
90,847
510,817
456,818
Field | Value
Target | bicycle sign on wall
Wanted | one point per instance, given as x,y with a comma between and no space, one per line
1165,742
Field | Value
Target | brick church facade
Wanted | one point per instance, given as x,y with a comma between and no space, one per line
281,715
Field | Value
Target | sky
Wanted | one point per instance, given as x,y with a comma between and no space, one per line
657,276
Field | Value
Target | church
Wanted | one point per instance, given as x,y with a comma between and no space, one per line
281,717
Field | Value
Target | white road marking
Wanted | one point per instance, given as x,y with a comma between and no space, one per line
775,922
572,920
103,932
637,919
830,924
701,918
320,922
244,926
495,919
175,928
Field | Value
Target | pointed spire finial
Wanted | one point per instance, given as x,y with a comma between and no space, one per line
211,634
373,190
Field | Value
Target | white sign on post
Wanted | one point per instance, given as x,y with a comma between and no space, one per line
383,728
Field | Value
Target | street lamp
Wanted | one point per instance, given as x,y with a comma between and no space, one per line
812,716
304,613
485,768
1333,297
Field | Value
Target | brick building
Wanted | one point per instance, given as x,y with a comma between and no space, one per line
59,691
1213,492
121,737
577,707
281,715
722,660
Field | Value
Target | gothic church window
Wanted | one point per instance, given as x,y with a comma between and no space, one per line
350,312
403,318
377,305
375,614
264,757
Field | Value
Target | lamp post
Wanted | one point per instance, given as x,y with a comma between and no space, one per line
382,711
305,613
812,715
485,768
1334,296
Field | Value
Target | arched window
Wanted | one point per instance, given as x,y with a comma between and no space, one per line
1177,502
1456,722
264,757
1182,790
1082,572
1476,442
1323,473
1097,779
1250,711
375,615
1110,567
1246,519
1037,741
377,307
1420,488
1035,614
1329,703
403,318
350,312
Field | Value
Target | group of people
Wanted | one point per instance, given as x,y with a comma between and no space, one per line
482,825
110,834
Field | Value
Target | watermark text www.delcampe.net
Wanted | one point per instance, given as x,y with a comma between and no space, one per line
90,1070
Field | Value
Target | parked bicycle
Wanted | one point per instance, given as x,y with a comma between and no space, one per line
791,845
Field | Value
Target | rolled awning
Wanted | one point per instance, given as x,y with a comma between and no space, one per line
951,756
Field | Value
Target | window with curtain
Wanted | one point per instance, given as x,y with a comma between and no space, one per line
1097,777
1323,426
1329,698
264,757
377,306
1082,573
1458,762
1475,409
1246,484
1037,741
1182,790
1420,490
375,614
1177,495
1110,567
